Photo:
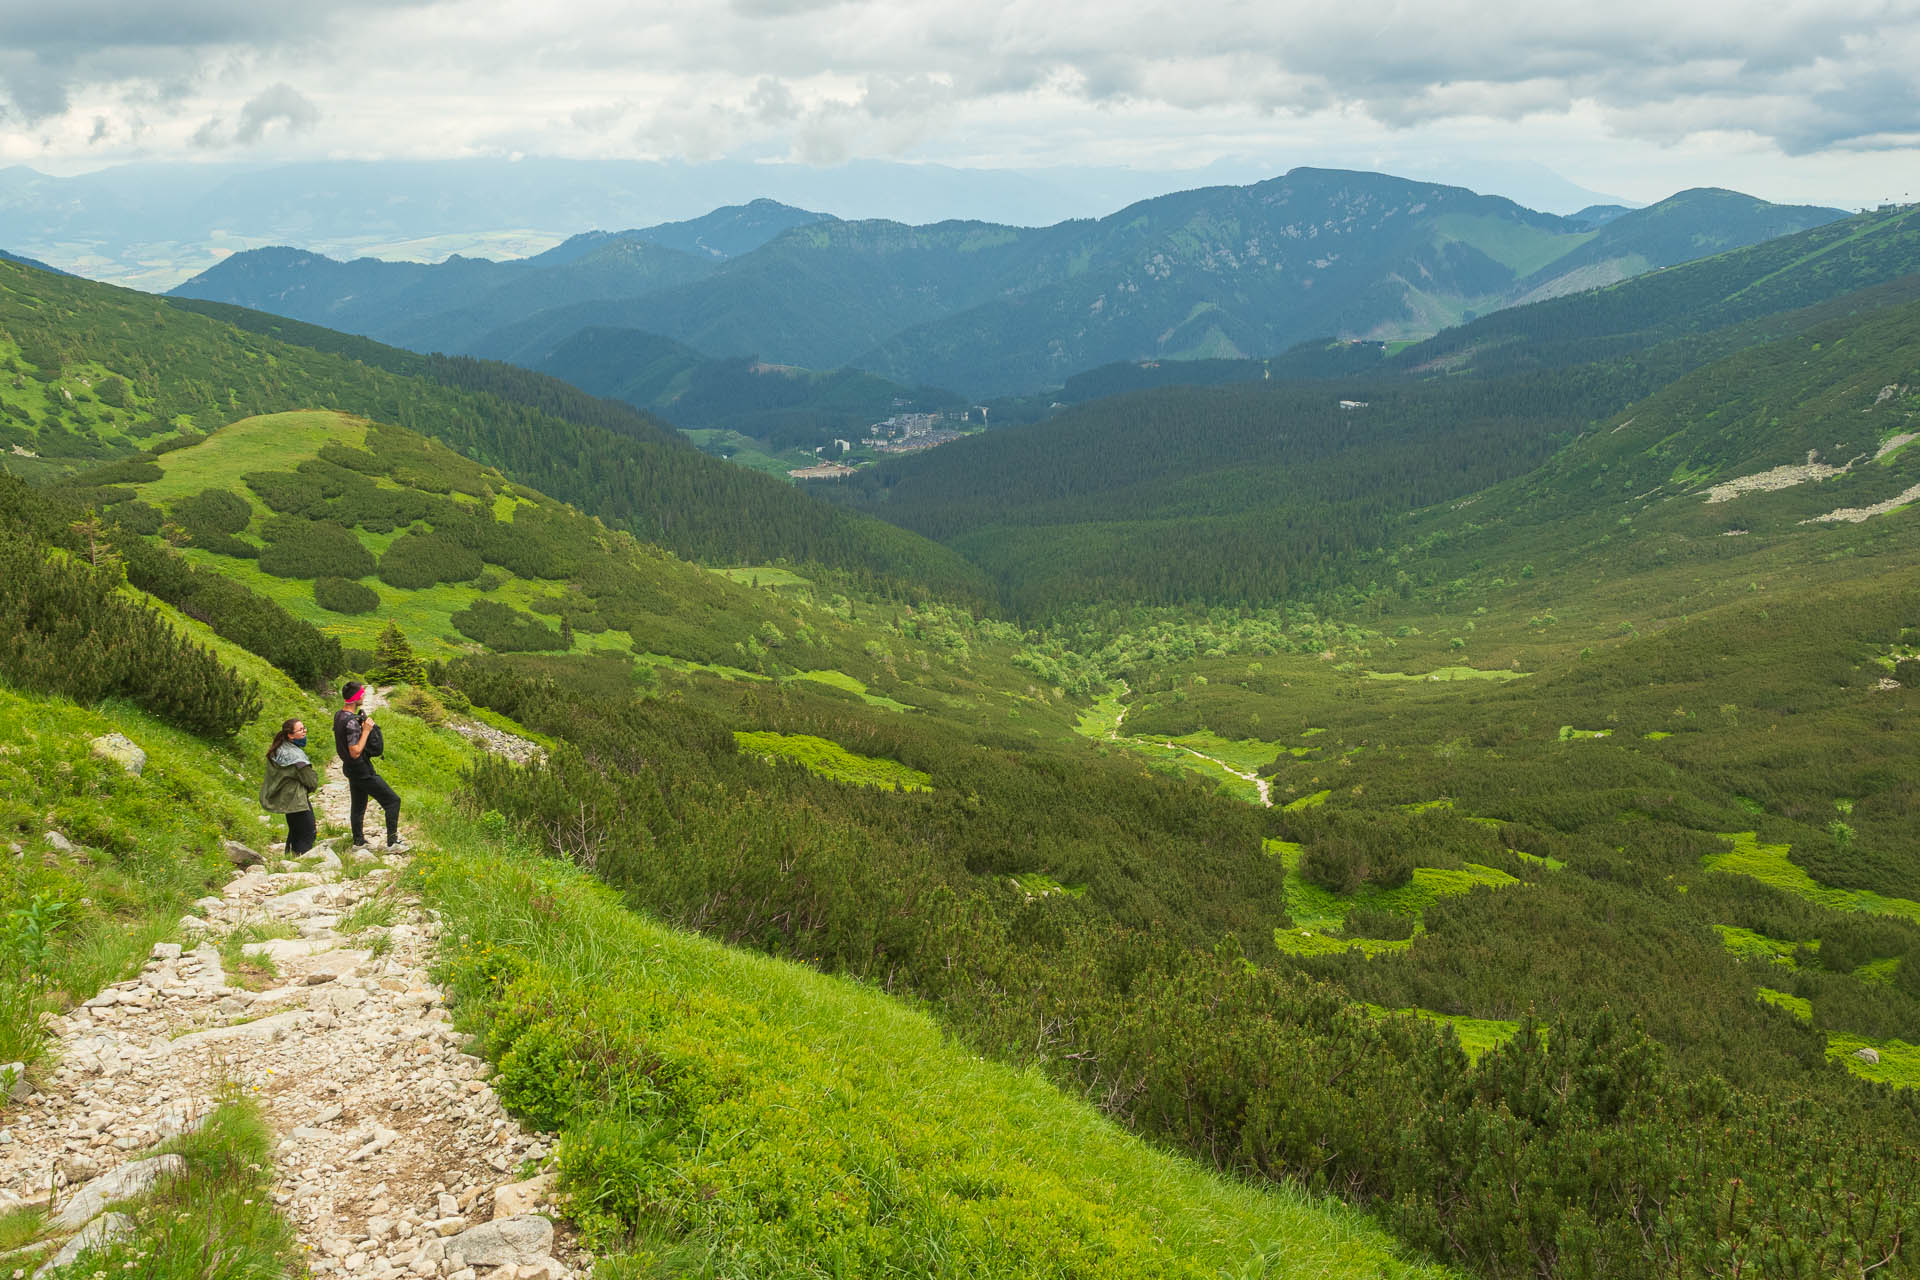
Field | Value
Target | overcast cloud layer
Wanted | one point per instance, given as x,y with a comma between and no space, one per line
1792,100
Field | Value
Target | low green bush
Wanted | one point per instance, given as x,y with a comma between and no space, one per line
344,595
215,510
71,631
506,630
298,548
1368,922
234,611
417,560
138,517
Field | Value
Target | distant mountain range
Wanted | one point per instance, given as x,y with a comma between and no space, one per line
990,309
1180,492
151,226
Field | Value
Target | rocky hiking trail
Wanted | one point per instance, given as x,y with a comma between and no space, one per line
394,1157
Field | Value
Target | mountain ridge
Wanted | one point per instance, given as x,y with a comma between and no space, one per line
1211,271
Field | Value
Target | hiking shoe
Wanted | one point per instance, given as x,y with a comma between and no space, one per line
398,845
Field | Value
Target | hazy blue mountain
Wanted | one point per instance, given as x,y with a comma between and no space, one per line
732,231
1254,270
1688,225
781,404
1217,272
1599,215
817,295
446,306
619,266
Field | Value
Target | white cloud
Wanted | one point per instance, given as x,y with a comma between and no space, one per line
1029,81
281,104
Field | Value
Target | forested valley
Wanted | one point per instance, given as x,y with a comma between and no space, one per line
1472,784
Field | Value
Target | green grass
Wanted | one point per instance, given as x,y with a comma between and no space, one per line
1476,1035
745,451
1102,719
831,760
798,1125
1745,942
772,576
214,1220
271,442
1899,1061
1522,249
1879,972
1244,754
233,950
148,845
1798,1006
1313,800
1441,674
1769,864
853,685
1318,914
1177,759
20,1228
376,912
1037,885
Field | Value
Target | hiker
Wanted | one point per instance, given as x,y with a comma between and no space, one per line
358,740
290,784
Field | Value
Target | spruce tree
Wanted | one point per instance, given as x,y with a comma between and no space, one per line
394,661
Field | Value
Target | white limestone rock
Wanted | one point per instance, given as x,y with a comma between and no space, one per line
127,1180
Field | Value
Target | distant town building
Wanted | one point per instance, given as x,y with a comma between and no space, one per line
1353,404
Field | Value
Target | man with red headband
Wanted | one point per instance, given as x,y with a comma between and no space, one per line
358,741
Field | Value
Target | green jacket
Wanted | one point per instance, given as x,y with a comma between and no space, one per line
290,781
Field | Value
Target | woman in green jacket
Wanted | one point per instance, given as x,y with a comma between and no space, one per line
290,785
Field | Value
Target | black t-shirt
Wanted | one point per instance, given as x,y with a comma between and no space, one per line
346,732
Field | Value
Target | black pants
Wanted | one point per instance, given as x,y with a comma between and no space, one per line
300,831
375,786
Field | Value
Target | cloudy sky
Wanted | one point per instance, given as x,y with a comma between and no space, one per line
1800,100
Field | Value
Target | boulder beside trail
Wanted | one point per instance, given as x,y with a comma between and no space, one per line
1867,1055
122,750
13,1080
526,1238
99,1233
127,1180
516,1199
241,856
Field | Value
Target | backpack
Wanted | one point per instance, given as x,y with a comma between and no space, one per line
376,744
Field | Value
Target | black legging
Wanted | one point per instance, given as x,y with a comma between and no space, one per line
300,831
358,789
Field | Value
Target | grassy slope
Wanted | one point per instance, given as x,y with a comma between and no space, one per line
709,623
995,1168
93,373
925,1143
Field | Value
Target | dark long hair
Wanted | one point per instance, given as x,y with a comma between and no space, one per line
280,738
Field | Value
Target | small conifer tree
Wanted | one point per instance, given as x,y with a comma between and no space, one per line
95,546
394,661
